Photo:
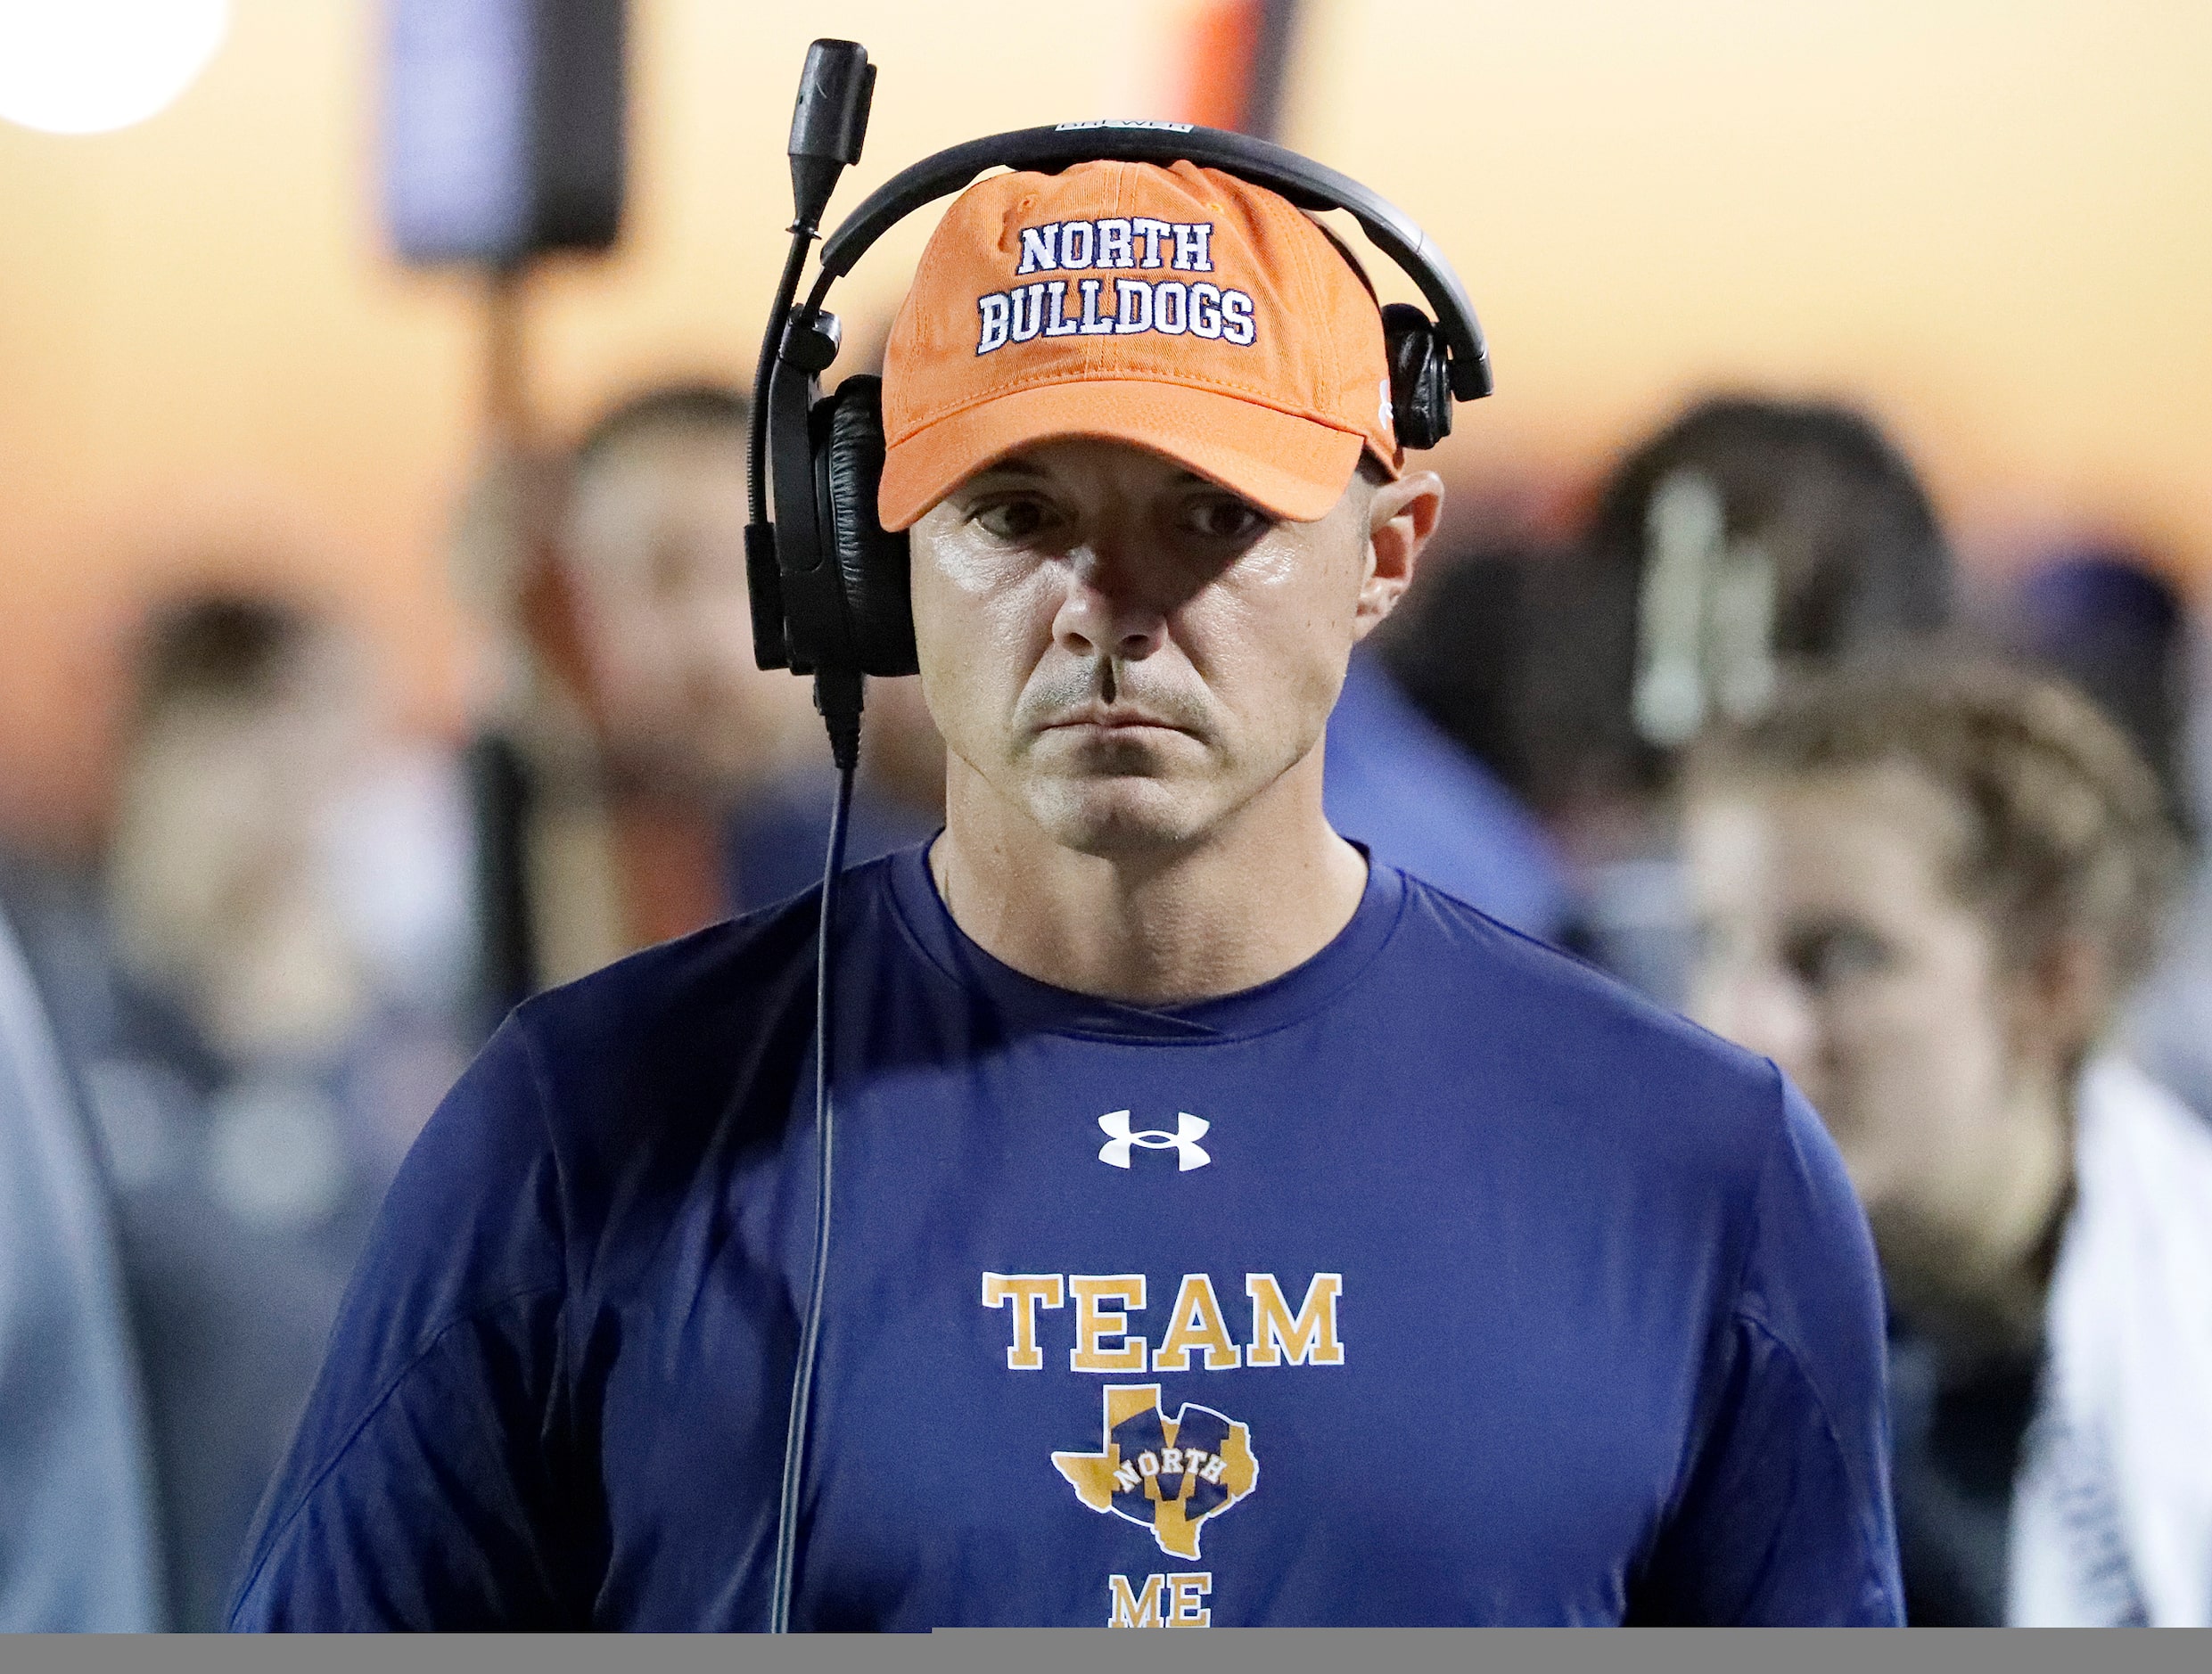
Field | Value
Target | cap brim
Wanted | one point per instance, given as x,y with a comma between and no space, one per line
1292,467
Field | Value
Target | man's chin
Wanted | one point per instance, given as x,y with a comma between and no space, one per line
1121,816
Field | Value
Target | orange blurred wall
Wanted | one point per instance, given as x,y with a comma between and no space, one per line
1988,220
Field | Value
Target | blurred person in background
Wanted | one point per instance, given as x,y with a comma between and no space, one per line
1423,801
1925,892
261,1008
642,777
78,1544
1459,648
2104,617
1745,535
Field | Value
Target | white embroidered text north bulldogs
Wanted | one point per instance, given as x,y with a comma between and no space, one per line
1170,308
1122,308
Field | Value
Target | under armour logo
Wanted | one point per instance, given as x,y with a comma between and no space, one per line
1183,1142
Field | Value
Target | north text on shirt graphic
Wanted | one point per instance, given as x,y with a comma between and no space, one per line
1166,1474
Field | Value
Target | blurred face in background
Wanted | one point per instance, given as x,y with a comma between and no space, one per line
656,565
1834,940
217,873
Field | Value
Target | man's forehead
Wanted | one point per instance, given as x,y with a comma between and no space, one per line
1067,456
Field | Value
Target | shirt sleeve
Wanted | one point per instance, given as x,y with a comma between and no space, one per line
426,1487
1784,1516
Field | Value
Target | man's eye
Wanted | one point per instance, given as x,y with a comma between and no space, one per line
1013,520
1223,517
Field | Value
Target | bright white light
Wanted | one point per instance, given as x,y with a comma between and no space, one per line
87,66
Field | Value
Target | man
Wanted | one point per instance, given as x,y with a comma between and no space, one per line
1421,1277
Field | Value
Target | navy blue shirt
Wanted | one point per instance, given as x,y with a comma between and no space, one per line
1437,1281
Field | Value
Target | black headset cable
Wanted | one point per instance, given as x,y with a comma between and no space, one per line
839,699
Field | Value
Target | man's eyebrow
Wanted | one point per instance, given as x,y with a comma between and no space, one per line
1022,470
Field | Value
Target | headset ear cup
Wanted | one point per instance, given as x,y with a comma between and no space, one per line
1420,382
872,563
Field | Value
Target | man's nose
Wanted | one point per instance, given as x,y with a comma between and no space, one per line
1106,610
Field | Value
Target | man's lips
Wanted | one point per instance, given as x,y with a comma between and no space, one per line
1111,720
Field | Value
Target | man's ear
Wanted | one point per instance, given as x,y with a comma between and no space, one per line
1401,517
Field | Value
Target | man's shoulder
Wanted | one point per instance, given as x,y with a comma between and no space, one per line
603,1092
1568,1016
656,1043
651,1001
1640,1110
683,1037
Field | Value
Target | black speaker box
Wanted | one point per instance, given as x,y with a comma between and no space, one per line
503,128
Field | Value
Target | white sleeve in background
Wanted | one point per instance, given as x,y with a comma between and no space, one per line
77,1543
2112,1515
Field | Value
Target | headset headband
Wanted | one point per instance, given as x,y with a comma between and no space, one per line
829,585
1300,181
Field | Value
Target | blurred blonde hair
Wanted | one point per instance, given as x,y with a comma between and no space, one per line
2068,835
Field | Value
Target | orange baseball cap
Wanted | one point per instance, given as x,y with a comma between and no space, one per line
1180,309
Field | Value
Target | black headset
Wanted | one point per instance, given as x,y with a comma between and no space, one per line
829,584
